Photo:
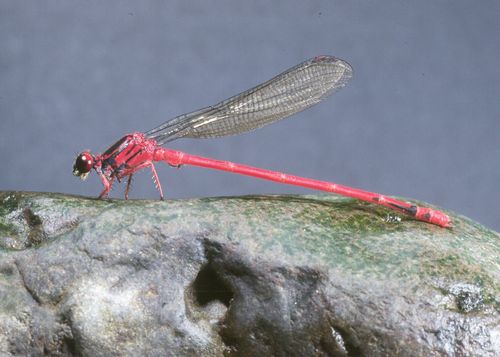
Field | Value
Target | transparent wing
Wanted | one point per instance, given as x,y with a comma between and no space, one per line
289,92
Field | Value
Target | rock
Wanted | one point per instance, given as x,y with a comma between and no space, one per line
246,276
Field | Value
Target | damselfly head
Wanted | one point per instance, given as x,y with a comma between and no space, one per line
83,164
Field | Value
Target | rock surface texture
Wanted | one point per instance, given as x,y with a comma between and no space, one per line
242,276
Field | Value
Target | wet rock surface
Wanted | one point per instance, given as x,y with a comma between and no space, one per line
242,276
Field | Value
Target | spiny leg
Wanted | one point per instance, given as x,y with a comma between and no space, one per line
129,181
156,180
107,185
137,168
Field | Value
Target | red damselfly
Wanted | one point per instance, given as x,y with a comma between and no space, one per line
289,92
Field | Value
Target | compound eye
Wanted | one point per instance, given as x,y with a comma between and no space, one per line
83,164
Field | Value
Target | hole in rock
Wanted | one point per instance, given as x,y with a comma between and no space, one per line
209,286
69,347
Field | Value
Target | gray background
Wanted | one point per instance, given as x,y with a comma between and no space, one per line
420,118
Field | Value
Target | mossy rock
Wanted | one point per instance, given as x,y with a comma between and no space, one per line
270,275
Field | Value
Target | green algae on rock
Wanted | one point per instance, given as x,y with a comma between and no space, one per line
274,275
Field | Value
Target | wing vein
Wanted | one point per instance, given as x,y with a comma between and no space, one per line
287,93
